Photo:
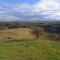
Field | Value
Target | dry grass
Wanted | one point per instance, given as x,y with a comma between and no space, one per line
15,33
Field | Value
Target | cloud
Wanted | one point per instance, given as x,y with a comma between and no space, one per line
5,17
47,5
49,8
44,9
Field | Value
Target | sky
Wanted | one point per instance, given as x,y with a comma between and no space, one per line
15,10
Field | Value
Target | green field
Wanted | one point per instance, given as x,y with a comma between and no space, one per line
17,44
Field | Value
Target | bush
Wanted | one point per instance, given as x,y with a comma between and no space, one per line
54,36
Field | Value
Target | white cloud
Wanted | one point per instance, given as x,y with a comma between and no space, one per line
47,8
47,5
8,17
50,8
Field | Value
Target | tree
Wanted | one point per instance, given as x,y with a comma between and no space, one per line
37,31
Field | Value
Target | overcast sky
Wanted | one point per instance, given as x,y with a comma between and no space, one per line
11,10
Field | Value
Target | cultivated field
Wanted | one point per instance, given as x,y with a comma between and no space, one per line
19,44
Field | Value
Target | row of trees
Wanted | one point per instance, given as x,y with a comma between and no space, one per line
15,25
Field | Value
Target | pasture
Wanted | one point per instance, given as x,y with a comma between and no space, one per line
18,44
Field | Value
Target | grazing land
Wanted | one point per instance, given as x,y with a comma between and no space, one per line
19,44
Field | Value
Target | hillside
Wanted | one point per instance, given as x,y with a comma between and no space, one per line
14,45
29,50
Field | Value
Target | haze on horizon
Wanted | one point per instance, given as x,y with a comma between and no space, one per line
13,10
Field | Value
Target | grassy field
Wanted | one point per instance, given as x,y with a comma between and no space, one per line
15,33
18,44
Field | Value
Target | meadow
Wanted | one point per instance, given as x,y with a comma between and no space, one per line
19,44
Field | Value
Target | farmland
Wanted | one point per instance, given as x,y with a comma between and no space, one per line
19,44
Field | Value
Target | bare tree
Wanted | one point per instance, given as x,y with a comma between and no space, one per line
37,31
